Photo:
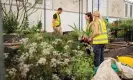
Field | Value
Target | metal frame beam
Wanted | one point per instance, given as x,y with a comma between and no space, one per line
1,46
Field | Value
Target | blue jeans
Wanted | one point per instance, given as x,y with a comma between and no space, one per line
99,54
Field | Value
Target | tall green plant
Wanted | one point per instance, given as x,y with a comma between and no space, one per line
39,25
126,25
10,23
82,32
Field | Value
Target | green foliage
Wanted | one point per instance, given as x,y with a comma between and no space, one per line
82,69
121,27
10,23
121,34
39,25
28,30
63,57
82,32
126,25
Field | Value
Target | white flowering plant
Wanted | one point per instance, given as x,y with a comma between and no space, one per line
51,57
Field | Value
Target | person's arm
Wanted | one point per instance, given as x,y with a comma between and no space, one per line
54,19
130,43
96,31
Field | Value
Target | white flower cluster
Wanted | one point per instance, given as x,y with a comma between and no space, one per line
24,68
53,62
56,41
23,57
38,36
42,61
66,47
46,48
24,40
70,41
66,61
55,77
43,53
12,71
32,48
6,55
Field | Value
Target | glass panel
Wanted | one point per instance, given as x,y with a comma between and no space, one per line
126,10
131,8
73,12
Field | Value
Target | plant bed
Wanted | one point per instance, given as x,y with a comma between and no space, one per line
123,51
12,37
50,58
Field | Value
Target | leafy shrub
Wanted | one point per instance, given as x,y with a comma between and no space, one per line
51,57
10,23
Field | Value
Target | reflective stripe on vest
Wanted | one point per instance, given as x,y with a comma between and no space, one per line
103,37
57,21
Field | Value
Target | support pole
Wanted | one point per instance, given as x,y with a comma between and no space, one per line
1,46
92,6
44,15
79,14
82,11
98,5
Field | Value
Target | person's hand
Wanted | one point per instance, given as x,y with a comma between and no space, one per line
90,39
85,38
129,43
55,29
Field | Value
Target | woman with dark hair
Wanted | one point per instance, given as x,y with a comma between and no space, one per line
89,21
88,17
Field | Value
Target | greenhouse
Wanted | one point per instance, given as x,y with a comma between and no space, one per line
66,39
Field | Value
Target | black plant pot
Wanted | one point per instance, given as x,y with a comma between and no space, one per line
67,78
88,51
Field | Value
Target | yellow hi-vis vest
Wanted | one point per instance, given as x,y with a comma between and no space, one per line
103,37
57,21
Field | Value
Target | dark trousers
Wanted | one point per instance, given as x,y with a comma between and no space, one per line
99,54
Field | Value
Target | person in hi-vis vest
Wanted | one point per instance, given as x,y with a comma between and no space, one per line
56,22
99,38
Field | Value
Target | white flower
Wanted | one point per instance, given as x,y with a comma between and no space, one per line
50,47
43,44
53,62
55,77
12,71
81,52
34,44
6,55
54,42
70,41
58,40
46,52
66,47
24,40
37,35
42,61
32,49
75,51
66,60
66,54
41,78
56,53
23,57
24,68
78,47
